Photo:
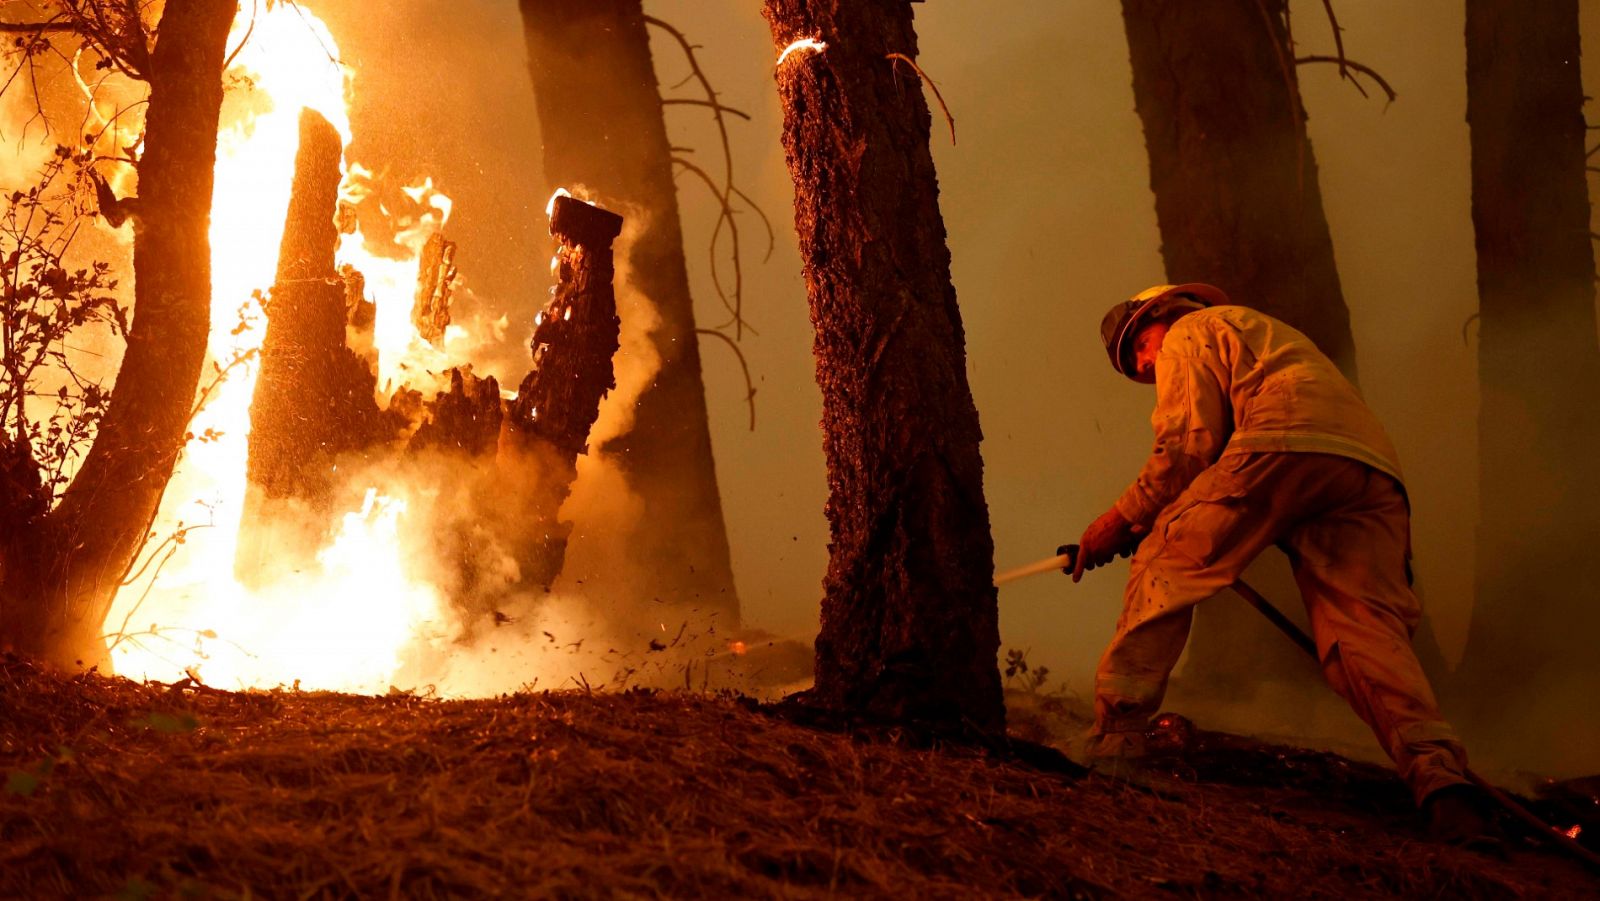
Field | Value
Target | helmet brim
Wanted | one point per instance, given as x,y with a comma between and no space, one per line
1120,349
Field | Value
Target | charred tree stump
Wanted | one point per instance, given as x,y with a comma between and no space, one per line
57,581
575,337
1239,206
436,278
601,120
909,613
1534,625
464,420
314,400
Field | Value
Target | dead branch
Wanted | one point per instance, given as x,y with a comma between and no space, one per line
901,57
690,101
749,386
1338,44
736,302
724,217
35,27
1358,67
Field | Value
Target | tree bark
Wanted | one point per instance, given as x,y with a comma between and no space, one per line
59,588
909,611
601,116
1238,205
314,400
1536,619
1235,180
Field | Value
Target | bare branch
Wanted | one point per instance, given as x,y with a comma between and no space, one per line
714,105
36,27
737,301
1352,64
901,57
724,217
750,388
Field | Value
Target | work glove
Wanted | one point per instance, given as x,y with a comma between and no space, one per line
1105,538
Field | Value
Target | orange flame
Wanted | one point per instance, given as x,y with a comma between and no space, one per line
347,625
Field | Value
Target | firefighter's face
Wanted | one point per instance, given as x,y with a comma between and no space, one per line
1146,345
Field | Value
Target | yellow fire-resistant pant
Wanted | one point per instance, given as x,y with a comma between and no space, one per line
1346,529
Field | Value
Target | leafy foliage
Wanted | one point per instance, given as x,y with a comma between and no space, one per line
48,409
1017,669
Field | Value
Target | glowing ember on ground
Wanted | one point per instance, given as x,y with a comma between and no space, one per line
1574,832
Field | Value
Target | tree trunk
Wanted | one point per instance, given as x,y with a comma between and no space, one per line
1235,180
58,591
1238,205
314,400
909,612
1536,618
547,427
601,117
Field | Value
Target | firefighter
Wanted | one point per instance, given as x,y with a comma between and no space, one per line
1261,441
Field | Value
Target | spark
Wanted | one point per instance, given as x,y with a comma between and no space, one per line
802,44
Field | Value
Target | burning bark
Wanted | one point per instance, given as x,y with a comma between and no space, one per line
909,614
465,420
601,116
575,337
61,573
314,400
436,278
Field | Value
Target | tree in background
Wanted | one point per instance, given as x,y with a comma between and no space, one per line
63,559
1238,205
603,128
909,611
1538,602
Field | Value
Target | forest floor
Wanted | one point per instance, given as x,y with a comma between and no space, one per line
129,790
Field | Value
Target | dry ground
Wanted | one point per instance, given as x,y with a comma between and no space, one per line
119,789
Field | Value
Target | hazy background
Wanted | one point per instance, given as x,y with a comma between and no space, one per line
1051,220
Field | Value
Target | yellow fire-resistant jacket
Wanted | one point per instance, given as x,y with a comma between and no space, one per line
1231,380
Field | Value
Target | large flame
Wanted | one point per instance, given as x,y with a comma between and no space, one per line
348,624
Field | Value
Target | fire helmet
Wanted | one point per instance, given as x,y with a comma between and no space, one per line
1124,320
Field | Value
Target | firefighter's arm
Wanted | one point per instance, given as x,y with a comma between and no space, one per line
1192,422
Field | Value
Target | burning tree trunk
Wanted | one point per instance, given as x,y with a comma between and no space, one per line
601,115
314,400
1238,205
1536,619
62,571
909,614
574,339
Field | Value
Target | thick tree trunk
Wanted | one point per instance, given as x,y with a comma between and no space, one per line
601,117
1534,626
1234,177
1238,205
909,613
314,400
55,601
